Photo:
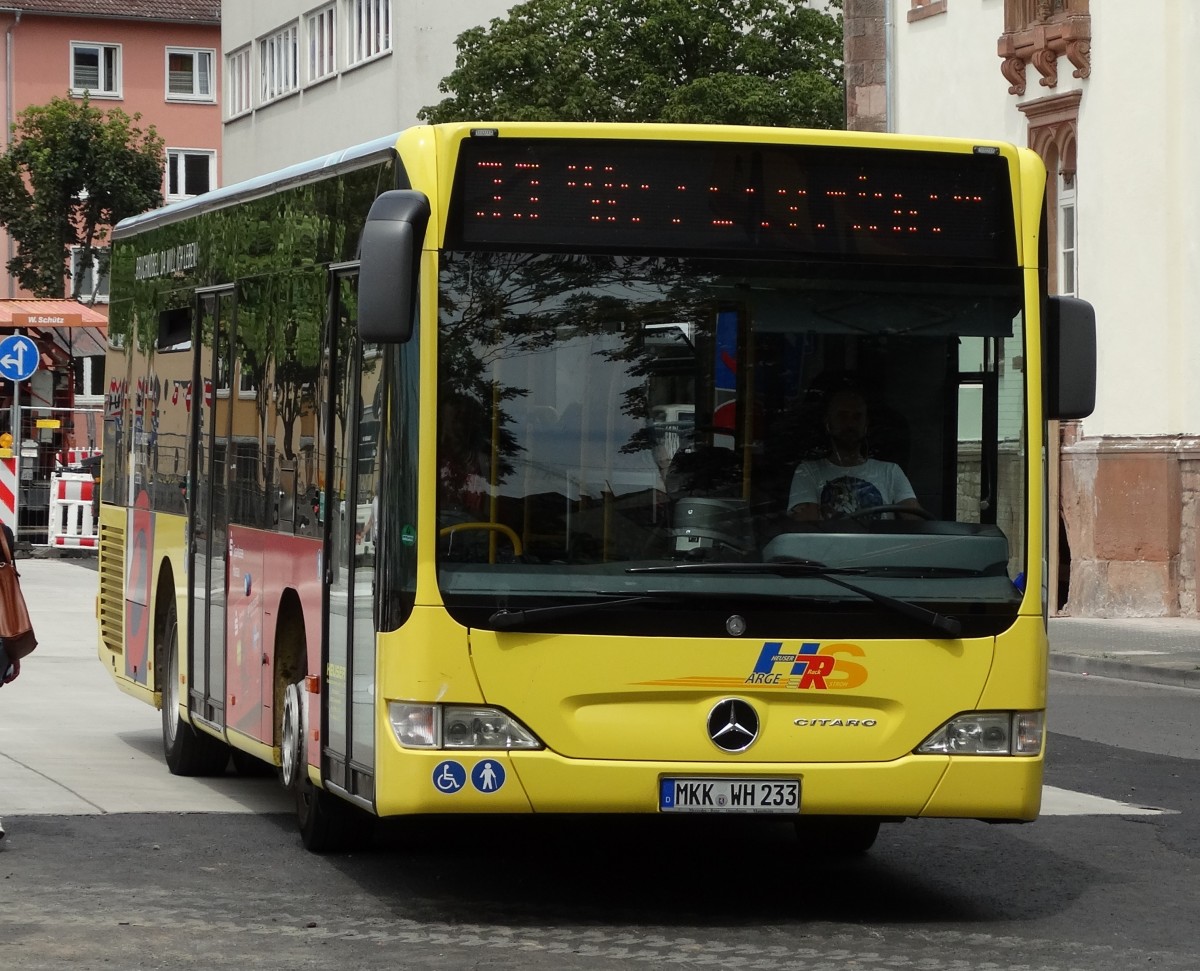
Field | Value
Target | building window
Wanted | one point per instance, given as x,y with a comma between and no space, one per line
93,284
278,65
237,90
1053,134
920,9
370,29
1068,235
321,46
89,377
190,75
96,69
189,172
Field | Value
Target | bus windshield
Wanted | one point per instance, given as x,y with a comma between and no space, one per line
599,415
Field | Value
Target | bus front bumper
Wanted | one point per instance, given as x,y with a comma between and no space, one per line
972,787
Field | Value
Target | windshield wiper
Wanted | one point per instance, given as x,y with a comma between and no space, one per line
505,619
949,626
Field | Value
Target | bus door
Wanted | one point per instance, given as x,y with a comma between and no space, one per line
349,378
212,427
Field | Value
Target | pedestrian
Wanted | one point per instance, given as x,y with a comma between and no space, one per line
10,666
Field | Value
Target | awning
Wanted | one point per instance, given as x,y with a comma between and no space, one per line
68,326
47,312
78,341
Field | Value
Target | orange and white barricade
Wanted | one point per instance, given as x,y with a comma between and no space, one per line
8,492
72,523
76,455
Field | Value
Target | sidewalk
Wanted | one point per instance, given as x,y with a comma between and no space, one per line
1160,650
71,742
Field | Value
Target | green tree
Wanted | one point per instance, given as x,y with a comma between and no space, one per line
70,172
762,62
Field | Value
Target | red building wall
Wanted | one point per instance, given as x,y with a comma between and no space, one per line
39,46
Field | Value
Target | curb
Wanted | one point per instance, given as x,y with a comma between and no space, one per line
1106,667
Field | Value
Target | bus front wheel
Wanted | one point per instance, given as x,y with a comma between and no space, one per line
837,836
327,824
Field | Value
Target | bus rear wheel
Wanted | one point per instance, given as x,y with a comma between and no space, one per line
187,750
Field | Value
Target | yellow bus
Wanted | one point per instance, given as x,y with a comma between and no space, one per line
560,468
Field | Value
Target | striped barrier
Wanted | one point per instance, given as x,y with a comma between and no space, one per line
75,455
72,523
8,493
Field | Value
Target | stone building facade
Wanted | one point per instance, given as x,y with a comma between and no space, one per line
1102,91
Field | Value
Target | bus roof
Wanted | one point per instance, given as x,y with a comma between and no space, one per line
259,185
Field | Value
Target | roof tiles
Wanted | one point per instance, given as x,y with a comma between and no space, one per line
176,11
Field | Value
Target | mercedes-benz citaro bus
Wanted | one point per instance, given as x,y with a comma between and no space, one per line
588,468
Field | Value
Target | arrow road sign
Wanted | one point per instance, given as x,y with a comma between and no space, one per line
19,357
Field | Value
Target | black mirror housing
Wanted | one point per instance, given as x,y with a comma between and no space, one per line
389,270
1070,358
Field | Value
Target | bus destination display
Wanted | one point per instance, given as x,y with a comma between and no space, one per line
795,201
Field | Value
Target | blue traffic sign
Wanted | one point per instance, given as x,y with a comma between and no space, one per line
19,357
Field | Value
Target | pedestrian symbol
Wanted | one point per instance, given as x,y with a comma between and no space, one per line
487,776
19,357
449,776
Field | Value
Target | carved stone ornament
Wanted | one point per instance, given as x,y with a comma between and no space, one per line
1038,32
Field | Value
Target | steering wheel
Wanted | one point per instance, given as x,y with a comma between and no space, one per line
892,508
489,527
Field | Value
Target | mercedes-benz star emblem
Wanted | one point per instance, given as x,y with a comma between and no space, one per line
732,725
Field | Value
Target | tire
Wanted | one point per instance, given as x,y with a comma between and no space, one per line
327,823
837,836
187,751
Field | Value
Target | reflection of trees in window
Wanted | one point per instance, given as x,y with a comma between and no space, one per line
279,331
353,374
498,306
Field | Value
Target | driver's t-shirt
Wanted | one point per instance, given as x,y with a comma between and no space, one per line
840,490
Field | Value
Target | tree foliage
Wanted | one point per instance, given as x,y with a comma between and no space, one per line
763,62
70,172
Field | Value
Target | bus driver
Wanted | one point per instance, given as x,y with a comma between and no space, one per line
846,481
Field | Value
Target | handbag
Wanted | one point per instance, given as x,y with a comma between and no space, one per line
16,629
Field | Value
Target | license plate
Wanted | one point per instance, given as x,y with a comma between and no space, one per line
729,795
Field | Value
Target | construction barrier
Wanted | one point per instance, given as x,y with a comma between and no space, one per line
75,456
8,493
72,518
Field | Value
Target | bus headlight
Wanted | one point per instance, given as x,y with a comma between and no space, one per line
988,733
457,727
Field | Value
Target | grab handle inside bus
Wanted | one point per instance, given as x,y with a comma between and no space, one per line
390,256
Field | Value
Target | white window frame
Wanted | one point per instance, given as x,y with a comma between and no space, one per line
92,377
1068,238
368,30
179,156
278,63
101,50
199,73
239,91
100,283
320,42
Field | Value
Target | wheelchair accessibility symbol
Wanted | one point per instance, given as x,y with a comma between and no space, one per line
449,776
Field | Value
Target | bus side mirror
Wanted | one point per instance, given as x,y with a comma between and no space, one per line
390,258
1070,358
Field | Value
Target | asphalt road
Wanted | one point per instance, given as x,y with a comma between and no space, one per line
112,863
